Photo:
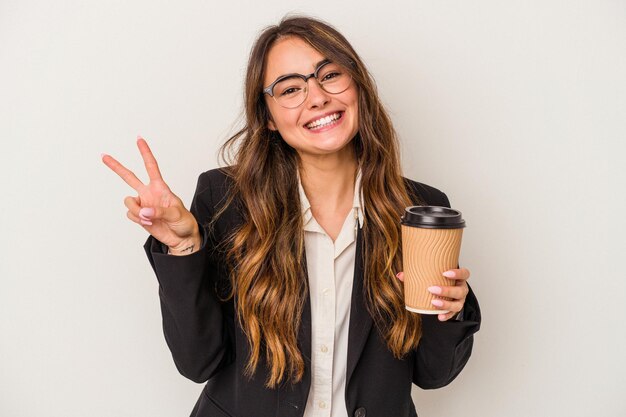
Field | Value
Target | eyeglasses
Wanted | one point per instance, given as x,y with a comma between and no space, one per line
291,90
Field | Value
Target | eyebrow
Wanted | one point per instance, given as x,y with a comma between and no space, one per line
317,64
320,62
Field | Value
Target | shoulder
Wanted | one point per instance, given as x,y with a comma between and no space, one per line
423,194
215,181
212,193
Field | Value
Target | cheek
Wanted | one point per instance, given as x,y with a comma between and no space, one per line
271,119
285,120
352,101
355,113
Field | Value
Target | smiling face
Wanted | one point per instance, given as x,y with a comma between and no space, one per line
325,123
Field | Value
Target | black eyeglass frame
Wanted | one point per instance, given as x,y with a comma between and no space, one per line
269,89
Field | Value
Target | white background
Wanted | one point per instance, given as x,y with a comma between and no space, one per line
515,109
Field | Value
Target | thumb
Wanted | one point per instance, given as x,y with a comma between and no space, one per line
168,214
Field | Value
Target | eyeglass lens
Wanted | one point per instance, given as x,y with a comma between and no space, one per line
292,91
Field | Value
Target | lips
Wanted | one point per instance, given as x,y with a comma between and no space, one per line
323,121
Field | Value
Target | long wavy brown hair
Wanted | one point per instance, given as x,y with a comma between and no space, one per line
267,251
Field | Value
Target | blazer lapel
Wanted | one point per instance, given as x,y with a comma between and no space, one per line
360,319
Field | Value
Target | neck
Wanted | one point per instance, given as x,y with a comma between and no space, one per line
328,180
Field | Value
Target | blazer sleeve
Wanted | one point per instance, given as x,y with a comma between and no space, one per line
193,320
445,347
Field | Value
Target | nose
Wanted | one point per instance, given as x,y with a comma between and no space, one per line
316,96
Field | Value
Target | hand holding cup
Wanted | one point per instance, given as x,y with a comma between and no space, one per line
456,294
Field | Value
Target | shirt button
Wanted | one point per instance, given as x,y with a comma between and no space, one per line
324,349
325,291
322,404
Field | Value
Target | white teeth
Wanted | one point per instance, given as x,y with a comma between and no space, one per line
323,121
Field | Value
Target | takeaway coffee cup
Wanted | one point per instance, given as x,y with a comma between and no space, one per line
431,242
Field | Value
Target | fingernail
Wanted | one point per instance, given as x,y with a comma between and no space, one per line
139,137
102,155
435,290
146,222
449,274
437,303
146,212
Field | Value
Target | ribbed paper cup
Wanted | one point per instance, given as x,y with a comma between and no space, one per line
431,243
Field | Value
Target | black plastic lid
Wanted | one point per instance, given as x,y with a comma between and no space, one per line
433,217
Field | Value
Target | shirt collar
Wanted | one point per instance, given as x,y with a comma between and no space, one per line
356,203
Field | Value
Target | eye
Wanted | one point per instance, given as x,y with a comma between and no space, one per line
289,91
331,75
330,72
289,86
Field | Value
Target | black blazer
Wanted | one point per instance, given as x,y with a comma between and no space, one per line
207,342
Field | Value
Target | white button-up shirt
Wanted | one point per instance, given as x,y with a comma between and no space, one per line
331,273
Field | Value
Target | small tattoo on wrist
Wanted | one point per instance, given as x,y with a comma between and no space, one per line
187,249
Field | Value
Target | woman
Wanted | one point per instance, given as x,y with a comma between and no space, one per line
278,285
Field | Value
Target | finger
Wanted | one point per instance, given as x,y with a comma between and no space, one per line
148,159
132,204
447,316
400,276
124,173
450,306
132,217
456,292
168,214
459,274
138,220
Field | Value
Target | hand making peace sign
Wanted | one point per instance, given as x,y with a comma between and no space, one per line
156,208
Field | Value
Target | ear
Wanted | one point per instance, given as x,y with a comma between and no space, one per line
271,125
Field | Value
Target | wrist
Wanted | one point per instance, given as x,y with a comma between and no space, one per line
186,246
